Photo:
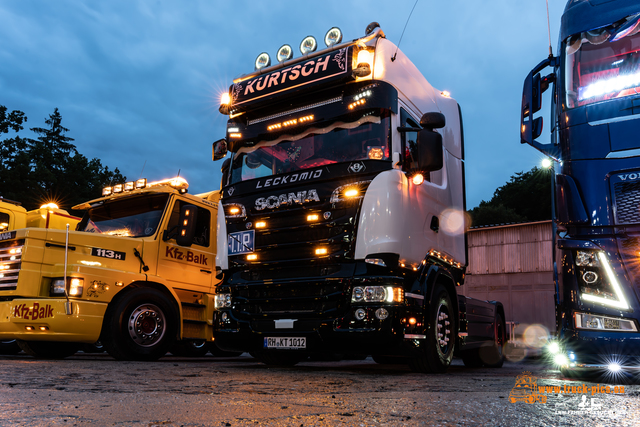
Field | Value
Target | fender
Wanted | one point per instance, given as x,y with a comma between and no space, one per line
431,275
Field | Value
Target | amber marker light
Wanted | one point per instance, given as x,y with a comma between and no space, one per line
417,179
412,321
252,257
351,192
234,211
261,224
313,217
321,251
446,94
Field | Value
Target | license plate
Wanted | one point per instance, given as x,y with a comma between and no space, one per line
241,242
295,343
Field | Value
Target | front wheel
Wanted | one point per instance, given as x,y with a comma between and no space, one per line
49,349
436,351
142,325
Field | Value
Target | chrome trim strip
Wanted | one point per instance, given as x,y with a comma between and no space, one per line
415,336
415,296
614,120
625,153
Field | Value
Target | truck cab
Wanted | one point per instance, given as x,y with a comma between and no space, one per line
595,119
342,213
136,273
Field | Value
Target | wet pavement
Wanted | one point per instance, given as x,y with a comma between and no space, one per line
94,389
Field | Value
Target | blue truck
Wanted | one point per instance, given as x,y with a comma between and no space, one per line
594,84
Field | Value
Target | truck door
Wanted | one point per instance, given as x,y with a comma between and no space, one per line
191,267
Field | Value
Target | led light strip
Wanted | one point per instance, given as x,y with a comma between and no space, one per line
622,303
296,110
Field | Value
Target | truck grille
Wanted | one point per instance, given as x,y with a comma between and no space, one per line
315,298
10,262
627,202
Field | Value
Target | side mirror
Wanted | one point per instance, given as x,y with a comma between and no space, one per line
433,120
219,149
534,87
430,156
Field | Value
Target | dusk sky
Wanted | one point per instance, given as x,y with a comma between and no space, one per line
138,83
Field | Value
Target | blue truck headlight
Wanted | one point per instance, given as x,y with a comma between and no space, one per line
597,280
604,323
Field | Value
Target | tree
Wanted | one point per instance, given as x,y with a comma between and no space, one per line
48,168
14,163
526,197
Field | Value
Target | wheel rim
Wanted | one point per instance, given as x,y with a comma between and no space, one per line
147,325
443,330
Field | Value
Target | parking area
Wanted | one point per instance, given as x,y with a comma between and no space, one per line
94,389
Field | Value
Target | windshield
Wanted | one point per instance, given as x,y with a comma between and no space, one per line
365,139
603,64
130,217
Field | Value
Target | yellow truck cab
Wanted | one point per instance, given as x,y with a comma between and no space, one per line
137,273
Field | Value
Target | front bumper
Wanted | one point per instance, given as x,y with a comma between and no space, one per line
391,336
45,320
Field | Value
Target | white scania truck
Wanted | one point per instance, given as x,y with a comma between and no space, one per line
341,226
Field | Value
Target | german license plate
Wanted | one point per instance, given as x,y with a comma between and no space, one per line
288,343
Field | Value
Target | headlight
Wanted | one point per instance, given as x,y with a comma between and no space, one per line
597,280
223,300
353,191
76,286
377,294
604,323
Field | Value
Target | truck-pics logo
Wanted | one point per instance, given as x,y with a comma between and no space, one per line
33,313
526,390
188,256
300,197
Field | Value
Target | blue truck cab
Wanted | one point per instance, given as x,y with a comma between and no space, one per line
595,142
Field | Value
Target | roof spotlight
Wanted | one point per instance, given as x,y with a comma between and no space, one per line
284,53
308,45
263,60
333,36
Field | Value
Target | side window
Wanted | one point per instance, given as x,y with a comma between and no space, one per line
201,236
409,145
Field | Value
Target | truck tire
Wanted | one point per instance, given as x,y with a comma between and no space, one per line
190,348
9,347
49,349
436,352
493,355
279,358
142,325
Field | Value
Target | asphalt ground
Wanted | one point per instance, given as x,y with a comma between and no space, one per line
96,390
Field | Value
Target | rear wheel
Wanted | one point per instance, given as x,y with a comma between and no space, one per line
279,358
49,349
436,351
142,325
9,347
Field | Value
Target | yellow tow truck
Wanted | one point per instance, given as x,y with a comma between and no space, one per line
137,272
